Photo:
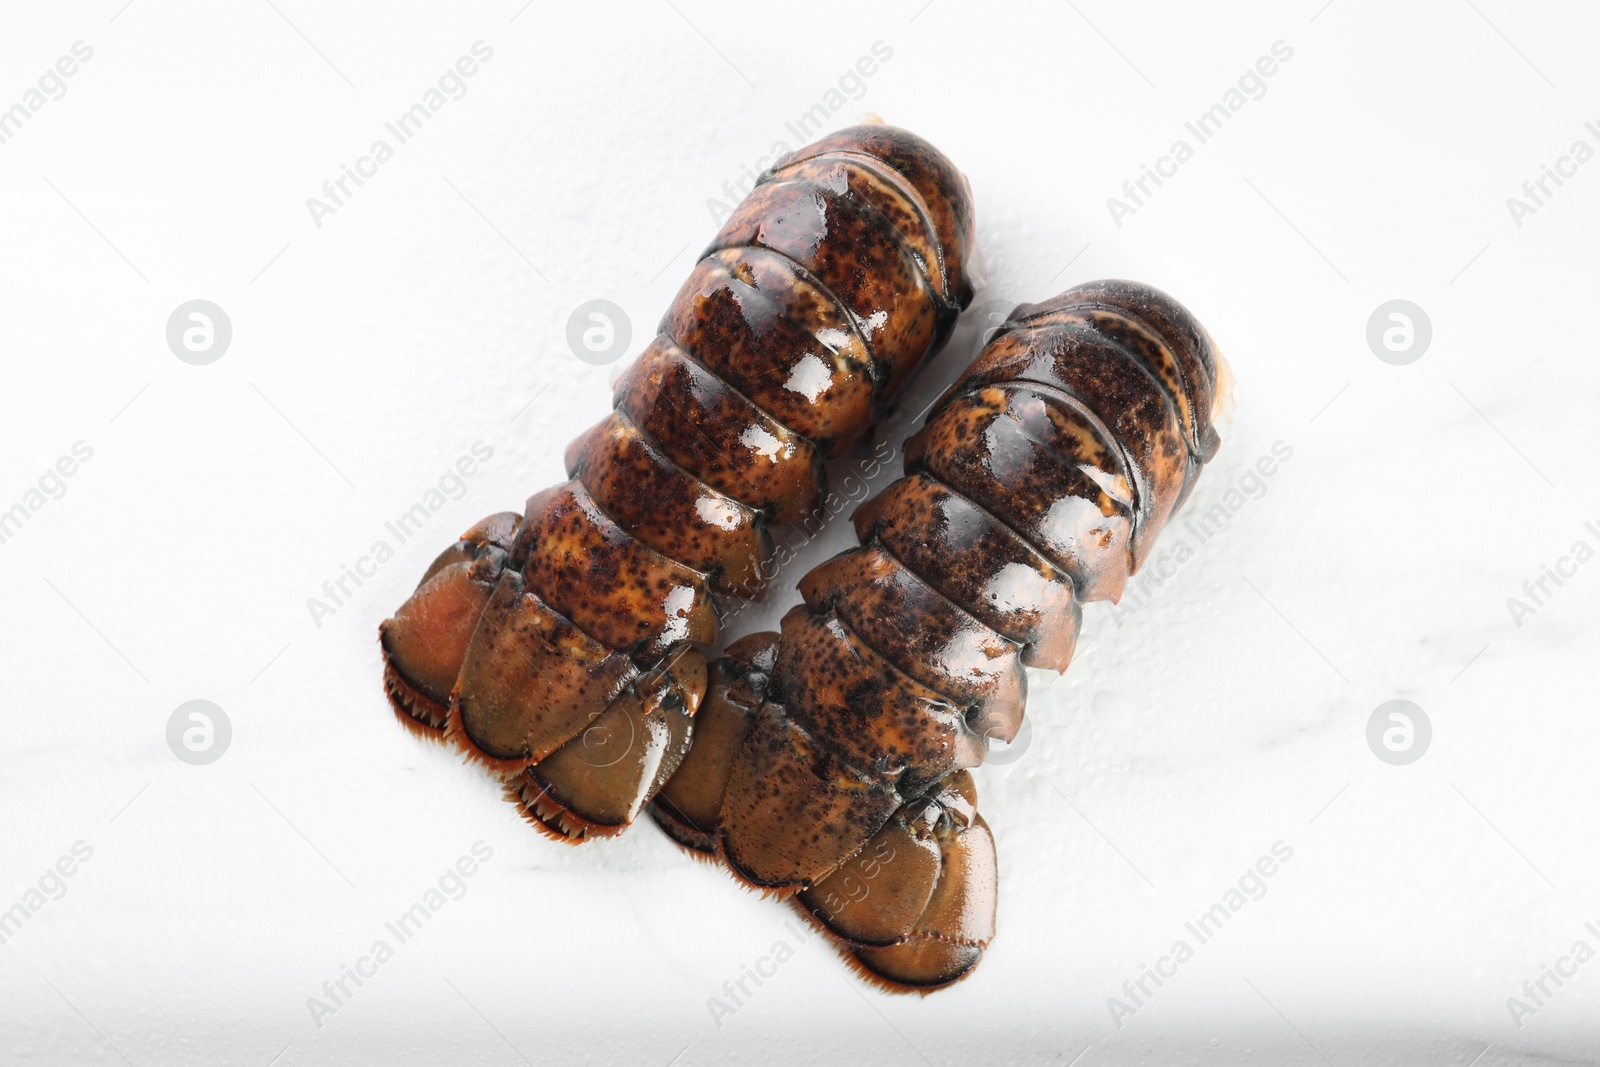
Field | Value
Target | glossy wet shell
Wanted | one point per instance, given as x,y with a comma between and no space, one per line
829,283
910,910
841,272
1040,480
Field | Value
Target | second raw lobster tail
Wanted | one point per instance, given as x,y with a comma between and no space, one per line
558,646
833,757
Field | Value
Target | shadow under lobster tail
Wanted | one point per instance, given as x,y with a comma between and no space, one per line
914,909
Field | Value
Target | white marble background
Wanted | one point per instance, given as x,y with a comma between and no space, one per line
429,312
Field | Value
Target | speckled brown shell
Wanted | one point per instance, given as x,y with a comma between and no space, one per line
1040,480
842,270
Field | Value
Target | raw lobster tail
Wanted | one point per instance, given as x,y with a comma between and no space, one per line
912,908
558,647
1040,481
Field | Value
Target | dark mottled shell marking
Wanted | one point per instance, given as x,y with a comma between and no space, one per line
834,278
1038,482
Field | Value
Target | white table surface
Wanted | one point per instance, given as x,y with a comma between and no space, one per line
370,352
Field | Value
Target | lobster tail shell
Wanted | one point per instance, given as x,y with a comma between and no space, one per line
1039,481
841,272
